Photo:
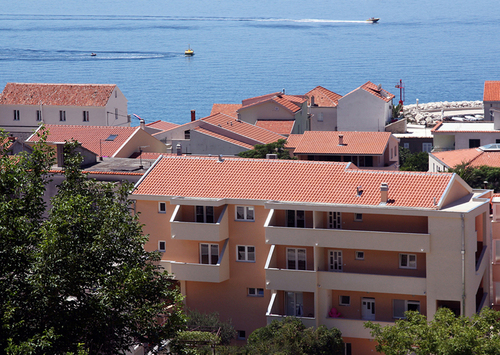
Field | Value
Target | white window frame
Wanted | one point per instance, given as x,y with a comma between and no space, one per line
358,217
255,292
409,263
297,222
162,207
62,116
210,254
297,253
427,147
339,260
334,220
206,214
359,255
341,300
17,116
297,302
245,212
85,116
247,256
404,304
160,242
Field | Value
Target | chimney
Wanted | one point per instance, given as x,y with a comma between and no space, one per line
384,192
142,123
220,159
341,139
193,115
312,100
179,149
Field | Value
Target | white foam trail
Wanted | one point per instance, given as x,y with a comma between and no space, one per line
306,20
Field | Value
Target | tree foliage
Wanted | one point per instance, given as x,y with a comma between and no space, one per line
78,280
409,161
479,177
260,150
446,334
291,336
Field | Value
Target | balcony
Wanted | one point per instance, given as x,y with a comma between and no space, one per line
274,313
185,229
346,239
351,328
200,272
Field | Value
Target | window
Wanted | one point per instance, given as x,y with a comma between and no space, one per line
245,253
334,221
401,306
116,94
406,145
335,260
112,137
360,255
245,213
209,254
241,335
426,147
85,116
358,217
255,292
161,245
347,349
344,300
205,214
187,134
162,207
296,259
474,143
62,116
38,115
16,115
295,218
408,261
116,113
320,117
294,304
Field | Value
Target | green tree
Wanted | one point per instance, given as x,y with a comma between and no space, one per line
413,161
479,177
260,150
88,285
446,334
291,336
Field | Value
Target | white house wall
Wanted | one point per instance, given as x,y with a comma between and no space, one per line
329,122
266,110
362,111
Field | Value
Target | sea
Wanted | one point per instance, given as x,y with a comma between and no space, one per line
442,50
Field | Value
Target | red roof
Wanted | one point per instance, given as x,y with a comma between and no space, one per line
243,128
323,97
284,127
475,156
227,109
289,181
293,140
491,91
224,138
94,138
162,125
376,91
292,103
354,143
56,94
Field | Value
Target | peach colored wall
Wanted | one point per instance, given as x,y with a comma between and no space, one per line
280,251
383,304
386,223
361,346
376,262
229,298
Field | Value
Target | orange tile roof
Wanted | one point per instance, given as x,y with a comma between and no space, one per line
92,138
56,94
292,103
224,138
289,181
323,97
491,91
227,109
242,128
162,125
475,156
293,140
278,126
373,89
354,143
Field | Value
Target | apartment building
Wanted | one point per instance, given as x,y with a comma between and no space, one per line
258,240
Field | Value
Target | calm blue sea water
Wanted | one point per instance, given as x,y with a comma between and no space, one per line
443,50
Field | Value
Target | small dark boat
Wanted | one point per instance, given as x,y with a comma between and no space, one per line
93,55
373,19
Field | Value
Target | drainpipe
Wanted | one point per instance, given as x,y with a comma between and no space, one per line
463,263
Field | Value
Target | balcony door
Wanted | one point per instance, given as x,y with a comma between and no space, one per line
294,304
368,308
335,260
209,254
296,259
295,218
205,214
334,221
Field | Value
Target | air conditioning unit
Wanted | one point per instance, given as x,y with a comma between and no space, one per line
271,156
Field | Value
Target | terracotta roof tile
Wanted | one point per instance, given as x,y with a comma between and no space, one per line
373,89
491,91
289,181
227,109
323,97
327,142
92,138
243,128
224,138
56,94
292,103
293,140
284,127
475,156
162,125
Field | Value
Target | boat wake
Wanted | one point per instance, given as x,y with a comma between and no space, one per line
69,55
